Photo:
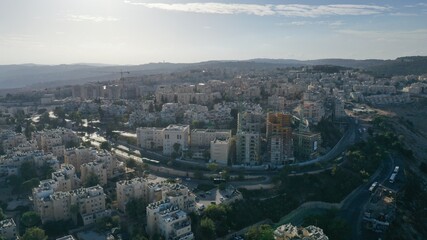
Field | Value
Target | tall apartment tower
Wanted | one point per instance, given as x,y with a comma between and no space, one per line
279,138
248,138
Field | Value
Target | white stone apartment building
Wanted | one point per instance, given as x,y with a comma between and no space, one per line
104,167
153,192
175,134
96,168
10,139
220,150
248,138
168,220
8,229
66,178
312,111
130,189
56,206
203,137
79,156
49,139
277,103
149,137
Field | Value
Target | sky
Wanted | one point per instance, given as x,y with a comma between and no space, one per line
138,32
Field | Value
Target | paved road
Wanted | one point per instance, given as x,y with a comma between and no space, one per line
353,207
349,138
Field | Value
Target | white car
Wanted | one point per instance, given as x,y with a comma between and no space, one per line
372,187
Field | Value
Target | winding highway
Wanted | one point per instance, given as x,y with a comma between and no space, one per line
353,206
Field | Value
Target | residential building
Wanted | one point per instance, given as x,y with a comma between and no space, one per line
203,137
220,150
149,137
167,220
79,156
339,112
8,230
290,232
248,138
312,111
56,206
277,103
150,192
66,178
175,135
96,168
68,237
306,144
248,148
131,189
279,138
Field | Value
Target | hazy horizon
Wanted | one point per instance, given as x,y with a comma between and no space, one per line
117,32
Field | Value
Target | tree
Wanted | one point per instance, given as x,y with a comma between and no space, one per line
213,167
1,148
59,111
15,181
92,180
27,170
105,145
2,216
207,229
44,118
34,233
198,175
106,223
135,209
30,184
30,219
176,147
57,228
262,232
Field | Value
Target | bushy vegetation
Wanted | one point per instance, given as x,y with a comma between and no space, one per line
333,226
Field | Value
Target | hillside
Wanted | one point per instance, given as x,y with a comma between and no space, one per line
400,66
27,75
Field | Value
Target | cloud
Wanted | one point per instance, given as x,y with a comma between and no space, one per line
416,5
291,10
390,36
81,18
304,23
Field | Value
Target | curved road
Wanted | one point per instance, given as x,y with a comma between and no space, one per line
353,206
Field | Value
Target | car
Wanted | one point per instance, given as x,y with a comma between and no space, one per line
372,187
396,169
202,195
188,179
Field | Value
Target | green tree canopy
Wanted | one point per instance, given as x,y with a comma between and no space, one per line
27,171
262,232
207,229
105,145
2,216
92,180
34,233
135,209
27,186
30,219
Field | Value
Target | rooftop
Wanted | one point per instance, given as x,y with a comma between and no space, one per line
7,223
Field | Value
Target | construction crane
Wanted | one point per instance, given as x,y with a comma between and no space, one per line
121,74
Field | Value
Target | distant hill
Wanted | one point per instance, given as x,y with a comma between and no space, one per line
27,75
401,66
13,76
